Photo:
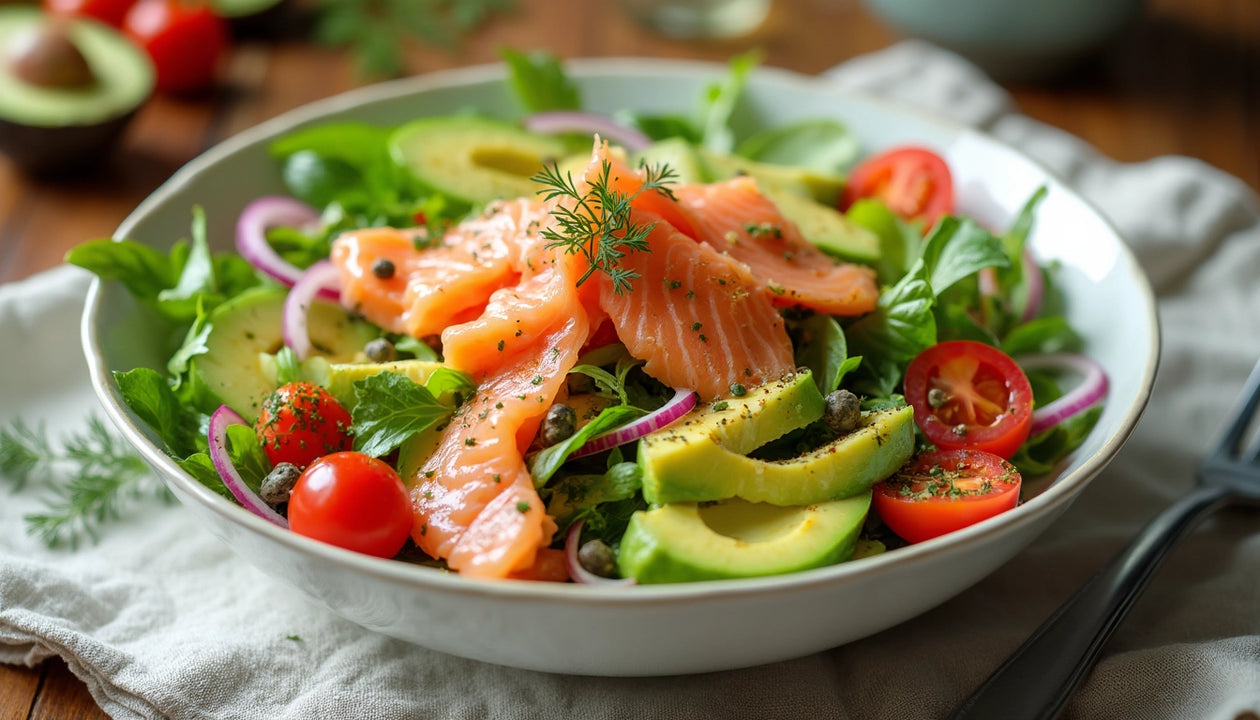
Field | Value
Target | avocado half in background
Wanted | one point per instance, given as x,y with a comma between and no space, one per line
68,88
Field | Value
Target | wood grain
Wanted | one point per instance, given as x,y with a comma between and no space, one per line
1185,80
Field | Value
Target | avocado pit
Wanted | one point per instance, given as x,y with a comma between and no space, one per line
44,55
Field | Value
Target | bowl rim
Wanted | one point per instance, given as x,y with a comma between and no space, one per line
1062,490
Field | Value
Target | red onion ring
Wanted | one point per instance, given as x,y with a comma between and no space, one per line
251,234
679,405
574,566
563,121
321,276
232,480
1086,394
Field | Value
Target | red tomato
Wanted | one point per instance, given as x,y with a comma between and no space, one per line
914,183
300,422
184,39
970,395
110,12
946,490
353,501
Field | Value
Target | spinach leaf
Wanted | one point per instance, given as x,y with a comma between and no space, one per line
196,277
246,454
147,393
144,271
547,461
660,127
605,501
539,81
824,351
391,407
903,323
826,146
718,103
899,241
1041,335
201,467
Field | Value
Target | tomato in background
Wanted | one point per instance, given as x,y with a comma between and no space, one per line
184,39
944,491
353,501
970,395
110,12
913,182
300,422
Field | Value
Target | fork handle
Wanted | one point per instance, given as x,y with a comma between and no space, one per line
1039,678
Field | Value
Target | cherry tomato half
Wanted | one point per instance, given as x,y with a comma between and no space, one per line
110,12
184,39
913,182
946,490
353,501
970,395
300,422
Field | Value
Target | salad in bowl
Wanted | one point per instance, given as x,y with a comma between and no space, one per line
623,348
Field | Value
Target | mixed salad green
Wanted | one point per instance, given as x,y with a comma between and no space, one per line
318,420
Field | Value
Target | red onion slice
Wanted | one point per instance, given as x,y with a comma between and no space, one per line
574,566
1088,392
321,276
251,234
679,405
232,480
563,121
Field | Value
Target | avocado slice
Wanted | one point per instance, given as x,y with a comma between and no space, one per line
338,378
247,327
822,187
686,542
704,456
475,160
50,128
826,227
679,155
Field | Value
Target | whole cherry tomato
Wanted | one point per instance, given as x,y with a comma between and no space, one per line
184,39
300,422
110,12
915,183
944,491
353,501
970,395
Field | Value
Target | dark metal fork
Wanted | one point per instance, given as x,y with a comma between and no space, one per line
1039,678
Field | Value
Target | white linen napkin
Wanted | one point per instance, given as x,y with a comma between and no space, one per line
161,620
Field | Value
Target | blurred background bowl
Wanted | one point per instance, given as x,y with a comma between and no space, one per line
1019,40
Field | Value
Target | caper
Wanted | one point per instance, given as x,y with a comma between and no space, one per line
279,483
383,268
596,557
558,425
936,397
380,350
842,412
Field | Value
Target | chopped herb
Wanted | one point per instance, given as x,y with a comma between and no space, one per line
738,390
501,344
720,405
536,381
703,339
522,506
470,441
674,284
696,325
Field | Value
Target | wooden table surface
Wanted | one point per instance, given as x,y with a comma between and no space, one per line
1185,81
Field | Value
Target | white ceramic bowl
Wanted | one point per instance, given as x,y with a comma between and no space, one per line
651,630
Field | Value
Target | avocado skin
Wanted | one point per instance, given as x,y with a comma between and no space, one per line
51,152
673,543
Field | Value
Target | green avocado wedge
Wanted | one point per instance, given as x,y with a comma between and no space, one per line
686,542
475,160
247,328
704,457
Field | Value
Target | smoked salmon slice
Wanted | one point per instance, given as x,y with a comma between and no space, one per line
737,219
432,287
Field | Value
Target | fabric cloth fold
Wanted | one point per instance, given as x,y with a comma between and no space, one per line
161,620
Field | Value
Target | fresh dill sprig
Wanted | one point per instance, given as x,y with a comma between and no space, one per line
597,222
89,477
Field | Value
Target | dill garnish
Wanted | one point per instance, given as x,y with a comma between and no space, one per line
88,476
597,222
